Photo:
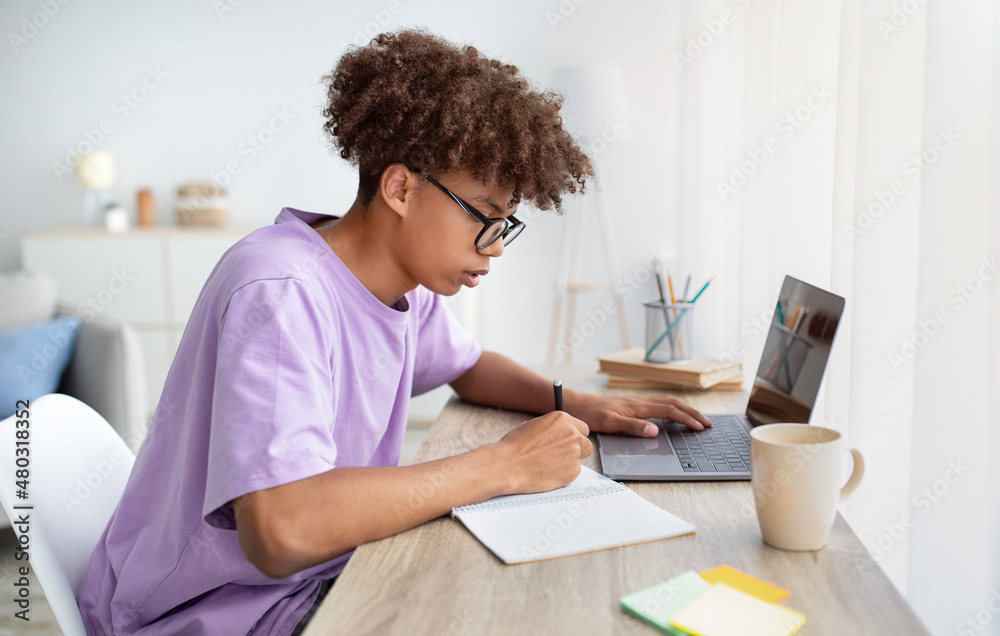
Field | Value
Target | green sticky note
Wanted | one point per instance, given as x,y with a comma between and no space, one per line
657,605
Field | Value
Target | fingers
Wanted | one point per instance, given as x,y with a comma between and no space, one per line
636,427
548,450
579,424
557,417
694,413
687,419
678,411
586,447
557,425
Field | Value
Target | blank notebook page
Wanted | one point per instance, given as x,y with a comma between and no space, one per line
591,513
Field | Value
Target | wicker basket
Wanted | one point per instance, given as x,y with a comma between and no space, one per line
202,203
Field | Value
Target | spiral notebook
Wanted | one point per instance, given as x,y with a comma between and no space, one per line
591,513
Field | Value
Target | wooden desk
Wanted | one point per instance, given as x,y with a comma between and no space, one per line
438,579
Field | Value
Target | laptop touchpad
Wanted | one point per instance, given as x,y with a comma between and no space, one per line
616,445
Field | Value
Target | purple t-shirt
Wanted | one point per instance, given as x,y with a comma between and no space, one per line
288,367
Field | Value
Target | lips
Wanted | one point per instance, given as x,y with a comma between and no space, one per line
472,277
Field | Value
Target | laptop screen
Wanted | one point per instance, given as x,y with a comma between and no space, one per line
795,354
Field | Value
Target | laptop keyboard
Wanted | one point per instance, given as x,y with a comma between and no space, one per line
723,448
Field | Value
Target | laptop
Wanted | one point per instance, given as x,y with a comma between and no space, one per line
788,379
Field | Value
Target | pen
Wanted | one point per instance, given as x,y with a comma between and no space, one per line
663,301
557,391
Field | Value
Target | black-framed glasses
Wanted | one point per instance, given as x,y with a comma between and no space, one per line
493,229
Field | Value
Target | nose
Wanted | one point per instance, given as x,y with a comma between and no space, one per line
494,250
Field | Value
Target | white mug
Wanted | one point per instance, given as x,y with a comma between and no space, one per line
796,475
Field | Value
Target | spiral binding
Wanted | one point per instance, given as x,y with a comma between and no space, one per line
523,501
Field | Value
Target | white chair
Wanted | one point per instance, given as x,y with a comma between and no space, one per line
78,467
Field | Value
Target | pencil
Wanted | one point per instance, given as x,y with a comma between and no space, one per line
702,290
673,301
791,322
663,301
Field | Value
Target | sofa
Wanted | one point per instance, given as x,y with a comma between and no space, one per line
105,367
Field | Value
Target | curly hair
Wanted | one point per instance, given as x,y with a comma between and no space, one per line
411,96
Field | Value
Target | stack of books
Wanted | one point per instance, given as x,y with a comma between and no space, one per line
629,369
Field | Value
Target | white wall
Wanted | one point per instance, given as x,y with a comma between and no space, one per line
954,548
226,72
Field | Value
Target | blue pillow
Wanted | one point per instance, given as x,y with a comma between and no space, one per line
32,360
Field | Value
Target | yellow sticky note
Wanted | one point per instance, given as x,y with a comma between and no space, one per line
724,611
745,583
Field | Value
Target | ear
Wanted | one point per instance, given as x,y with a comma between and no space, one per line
396,186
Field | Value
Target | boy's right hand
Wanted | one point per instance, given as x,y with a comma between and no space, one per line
544,453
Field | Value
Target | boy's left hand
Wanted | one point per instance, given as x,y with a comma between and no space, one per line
627,414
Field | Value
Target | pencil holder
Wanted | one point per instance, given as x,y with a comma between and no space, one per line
668,331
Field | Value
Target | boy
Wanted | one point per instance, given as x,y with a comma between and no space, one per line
272,453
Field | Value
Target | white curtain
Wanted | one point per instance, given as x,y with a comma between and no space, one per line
856,145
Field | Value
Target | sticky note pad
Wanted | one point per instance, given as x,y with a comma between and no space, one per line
745,583
724,611
656,605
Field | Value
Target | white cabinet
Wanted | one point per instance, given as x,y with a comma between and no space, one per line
149,278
